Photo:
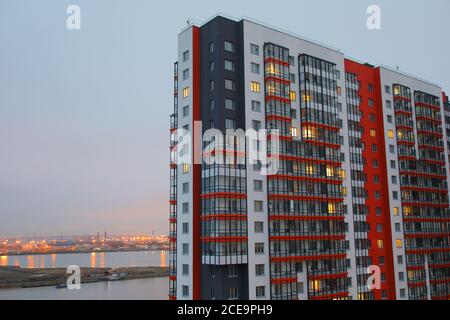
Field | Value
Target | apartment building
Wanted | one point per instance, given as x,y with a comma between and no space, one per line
362,182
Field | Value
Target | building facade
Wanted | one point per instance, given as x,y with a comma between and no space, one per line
361,188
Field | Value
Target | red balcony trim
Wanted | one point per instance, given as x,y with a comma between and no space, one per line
330,296
225,152
406,158
424,189
305,238
413,268
305,218
285,138
419,219
231,195
425,118
209,217
405,142
437,134
403,112
173,201
304,178
322,143
173,220
272,97
426,204
440,281
329,276
276,79
309,258
439,265
320,125
402,98
430,250
275,60
417,284
283,280
426,105
431,147
302,159
277,117
173,278
438,162
172,298
224,239
404,127
421,174
290,197
427,235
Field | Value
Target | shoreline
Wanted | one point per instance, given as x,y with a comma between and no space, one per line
78,251
12,277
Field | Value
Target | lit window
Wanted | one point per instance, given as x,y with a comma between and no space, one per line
185,168
331,208
391,134
309,132
294,132
330,171
406,211
396,211
293,95
373,133
380,244
306,97
344,191
342,174
186,92
398,243
255,86
315,285
309,169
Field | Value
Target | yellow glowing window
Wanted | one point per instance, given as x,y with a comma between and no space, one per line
331,207
380,244
306,97
309,169
342,174
396,211
315,285
309,132
406,211
185,168
398,243
330,171
361,296
255,86
373,132
410,274
294,132
270,88
293,95
344,191
396,90
271,69
391,134
186,92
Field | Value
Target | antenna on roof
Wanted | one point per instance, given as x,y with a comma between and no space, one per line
188,22
397,68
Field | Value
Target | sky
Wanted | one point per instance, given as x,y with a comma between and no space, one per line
84,114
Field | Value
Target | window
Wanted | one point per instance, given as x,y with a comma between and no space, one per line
392,149
380,244
232,271
292,77
338,91
370,87
259,227
228,46
377,195
375,163
396,211
258,206
376,179
402,293
211,66
185,207
185,228
378,211
212,271
260,291
371,103
185,168
398,243
259,248
373,133
387,89
186,187
391,134
256,106
255,68
395,195
379,228
397,227
389,118
372,117
186,92
374,148
185,111
229,65
211,85
254,49
230,124
291,60
186,74
294,131
255,86
256,125
233,294
213,293
230,84
185,291
394,179
388,104
381,260
185,248
399,259
401,276
211,47
211,104
393,164
230,104
257,185
186,56
259,269
293,95
293,113
185,269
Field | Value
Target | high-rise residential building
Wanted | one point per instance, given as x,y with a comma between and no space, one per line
361,191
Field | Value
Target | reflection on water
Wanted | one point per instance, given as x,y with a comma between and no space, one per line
138,289
94,259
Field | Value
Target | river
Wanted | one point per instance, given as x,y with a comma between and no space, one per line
138,289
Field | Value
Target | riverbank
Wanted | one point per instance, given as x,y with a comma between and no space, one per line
14,277
102,250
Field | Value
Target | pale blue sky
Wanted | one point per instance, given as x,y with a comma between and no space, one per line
84,114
